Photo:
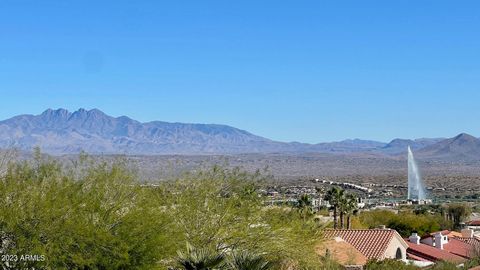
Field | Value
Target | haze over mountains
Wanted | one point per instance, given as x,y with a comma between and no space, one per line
63,132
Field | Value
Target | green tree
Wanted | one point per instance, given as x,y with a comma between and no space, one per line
335,197
405,222
101,220
458,212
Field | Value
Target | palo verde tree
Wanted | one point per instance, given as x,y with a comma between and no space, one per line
99,220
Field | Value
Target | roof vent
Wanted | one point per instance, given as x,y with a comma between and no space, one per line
439,240
414,238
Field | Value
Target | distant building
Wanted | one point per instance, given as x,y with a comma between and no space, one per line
421,202
473,225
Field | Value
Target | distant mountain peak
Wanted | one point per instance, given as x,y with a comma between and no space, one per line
64,112
465,136
57,112
462,146
96,111
399,146
93,113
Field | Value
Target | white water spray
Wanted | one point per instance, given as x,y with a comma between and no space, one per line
416,188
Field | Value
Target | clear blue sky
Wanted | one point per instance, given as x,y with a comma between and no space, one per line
309,71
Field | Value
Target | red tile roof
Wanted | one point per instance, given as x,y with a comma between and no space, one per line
474,244
474,223
432,254
416,258
459,248
371,243
474,241
444,233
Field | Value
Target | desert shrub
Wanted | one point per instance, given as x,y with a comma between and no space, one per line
388,264
405,223
445,266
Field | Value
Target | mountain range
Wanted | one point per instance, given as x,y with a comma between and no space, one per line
62,132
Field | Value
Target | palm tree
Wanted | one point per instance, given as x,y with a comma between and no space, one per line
334,197
244,260
347,204
305,205
351,207
200,259
342,209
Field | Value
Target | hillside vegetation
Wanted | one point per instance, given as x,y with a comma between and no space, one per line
95,216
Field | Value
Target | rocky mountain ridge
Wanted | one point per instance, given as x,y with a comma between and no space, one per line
62,132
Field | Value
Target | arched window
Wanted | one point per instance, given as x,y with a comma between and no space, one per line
399,254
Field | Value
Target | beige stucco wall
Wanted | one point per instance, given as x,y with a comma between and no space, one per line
391,251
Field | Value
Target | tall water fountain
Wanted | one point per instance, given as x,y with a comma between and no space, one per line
416,188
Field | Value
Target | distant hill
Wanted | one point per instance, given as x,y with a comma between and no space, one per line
398,146
346,146
461,147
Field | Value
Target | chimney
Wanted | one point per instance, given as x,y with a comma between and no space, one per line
467,233
438,240
382,227
414,238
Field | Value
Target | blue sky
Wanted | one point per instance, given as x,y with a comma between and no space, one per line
309,71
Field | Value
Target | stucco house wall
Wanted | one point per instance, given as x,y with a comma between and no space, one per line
396,245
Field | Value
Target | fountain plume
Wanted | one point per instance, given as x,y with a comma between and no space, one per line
416,188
